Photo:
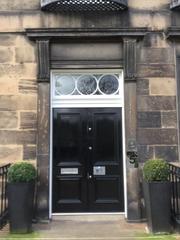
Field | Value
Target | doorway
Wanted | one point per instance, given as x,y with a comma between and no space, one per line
87,139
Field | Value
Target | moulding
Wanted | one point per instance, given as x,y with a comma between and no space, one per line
44,37
173,32
84,33
130,60
43,60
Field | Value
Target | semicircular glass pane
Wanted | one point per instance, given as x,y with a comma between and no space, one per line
108,84
64,85
87,84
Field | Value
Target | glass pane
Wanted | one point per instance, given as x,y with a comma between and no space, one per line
64,85
108,84
87,84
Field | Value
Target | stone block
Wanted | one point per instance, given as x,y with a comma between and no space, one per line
156,40
28,120
145,152
149,5
19,102
8,120
23,41
133,194
149,119
156,55
29,152
25,54
42,160
9,86
168,153
6,54
7,39
10,22
155,21
18,71
143,87
19,5
155,103
169,119
155,70
10,153
32,19
11,71
29,70
162,86
43,118
27,102
157,136
17,137
43,193
28,86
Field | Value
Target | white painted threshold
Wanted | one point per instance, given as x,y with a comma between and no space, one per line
87,214
89,217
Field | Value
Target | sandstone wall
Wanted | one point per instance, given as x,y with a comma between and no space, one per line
156,89
156,84
18,98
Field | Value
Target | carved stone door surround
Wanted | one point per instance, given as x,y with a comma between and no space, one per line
44,38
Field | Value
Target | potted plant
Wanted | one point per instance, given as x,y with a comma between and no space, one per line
20,192
157,195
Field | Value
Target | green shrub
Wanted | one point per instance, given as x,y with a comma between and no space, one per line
21,172
156,170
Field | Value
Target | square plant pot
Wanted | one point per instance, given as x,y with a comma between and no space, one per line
21,206
158,206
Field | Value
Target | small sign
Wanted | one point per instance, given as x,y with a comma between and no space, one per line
69,170
99,170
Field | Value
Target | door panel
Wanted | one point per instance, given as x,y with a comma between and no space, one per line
87,160
106,191
69,188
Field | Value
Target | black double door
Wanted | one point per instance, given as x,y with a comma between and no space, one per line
87,160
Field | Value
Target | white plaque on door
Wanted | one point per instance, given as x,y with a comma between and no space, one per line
69,170
99,170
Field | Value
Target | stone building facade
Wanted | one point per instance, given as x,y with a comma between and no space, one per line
148,36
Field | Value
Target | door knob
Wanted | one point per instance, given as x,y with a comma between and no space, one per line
90,148
89,129
89,176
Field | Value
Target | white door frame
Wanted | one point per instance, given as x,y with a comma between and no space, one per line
87,102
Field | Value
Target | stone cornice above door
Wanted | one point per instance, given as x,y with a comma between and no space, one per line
173,32
84,33
43,37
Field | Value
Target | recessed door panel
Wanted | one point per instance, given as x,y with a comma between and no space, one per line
87,160
69,166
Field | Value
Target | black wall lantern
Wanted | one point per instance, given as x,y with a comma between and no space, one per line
83,5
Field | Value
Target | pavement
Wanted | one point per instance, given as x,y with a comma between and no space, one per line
87,227
90,227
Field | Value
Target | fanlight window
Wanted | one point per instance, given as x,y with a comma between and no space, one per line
86,84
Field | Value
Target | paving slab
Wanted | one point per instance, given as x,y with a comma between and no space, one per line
90,227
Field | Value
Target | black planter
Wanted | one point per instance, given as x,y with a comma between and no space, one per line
158,206
21,202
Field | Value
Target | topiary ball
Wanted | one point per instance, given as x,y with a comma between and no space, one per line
156,170
21,172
